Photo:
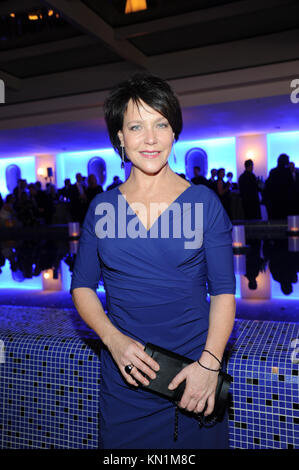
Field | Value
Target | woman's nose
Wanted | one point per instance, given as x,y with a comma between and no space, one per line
150,136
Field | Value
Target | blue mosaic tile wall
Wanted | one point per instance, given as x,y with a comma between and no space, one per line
49,379
50,382
264,411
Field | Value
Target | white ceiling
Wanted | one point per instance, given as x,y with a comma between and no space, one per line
261,115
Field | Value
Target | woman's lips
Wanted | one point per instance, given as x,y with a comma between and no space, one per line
152,154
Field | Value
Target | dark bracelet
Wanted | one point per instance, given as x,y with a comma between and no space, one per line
213,355
213,370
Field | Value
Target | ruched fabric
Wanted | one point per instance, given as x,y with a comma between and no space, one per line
157,291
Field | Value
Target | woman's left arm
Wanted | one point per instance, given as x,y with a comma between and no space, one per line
201,382
221,322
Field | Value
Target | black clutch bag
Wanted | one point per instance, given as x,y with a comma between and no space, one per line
170,365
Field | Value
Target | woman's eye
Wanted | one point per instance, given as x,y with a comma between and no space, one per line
134,128
163,124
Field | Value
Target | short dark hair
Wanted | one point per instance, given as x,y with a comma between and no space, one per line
248,163
283,159
149,88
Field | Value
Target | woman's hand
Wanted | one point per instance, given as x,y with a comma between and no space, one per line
125,351
200,386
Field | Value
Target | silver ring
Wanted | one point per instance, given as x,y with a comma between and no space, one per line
128,368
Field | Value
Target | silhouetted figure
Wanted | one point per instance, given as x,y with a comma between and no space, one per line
93,188
8,216
249,192
230,176
198,178
212,181
65,192
1,201
27,210
279,191
116,182
45,204
78,200
223,190
18,190
295,176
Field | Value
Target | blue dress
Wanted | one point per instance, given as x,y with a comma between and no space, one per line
156,290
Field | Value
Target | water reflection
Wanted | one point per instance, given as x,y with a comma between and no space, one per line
268,269
283,264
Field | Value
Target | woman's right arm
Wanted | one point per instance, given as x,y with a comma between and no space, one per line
124,350
91,310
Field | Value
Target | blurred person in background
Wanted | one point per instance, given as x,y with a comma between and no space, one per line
279,191
93,188
223,190
8,216
116,182
249,192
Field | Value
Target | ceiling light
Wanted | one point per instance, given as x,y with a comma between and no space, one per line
135,5
32,16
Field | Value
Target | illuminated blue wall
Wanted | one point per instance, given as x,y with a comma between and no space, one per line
70,163
27,167
221,153
283,142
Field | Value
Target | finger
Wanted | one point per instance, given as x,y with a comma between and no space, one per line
189,399
130,379
177,379
200,406
191,406
210,405
141,366
139,376
154,365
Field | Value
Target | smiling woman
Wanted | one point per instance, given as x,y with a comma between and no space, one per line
156,287
147,137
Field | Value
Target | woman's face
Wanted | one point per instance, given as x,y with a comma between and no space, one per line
147,137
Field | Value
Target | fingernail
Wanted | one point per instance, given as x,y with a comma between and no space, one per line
170,386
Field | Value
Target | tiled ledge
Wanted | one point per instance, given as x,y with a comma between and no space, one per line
50,389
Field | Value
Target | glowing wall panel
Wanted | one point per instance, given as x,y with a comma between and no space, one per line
221,154
27,166
283,142
253,147
70,163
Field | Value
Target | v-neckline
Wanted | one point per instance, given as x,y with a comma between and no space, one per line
167,208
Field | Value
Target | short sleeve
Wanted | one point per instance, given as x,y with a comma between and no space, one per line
217,240
87,268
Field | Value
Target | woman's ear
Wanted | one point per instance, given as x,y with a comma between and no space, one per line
121,138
